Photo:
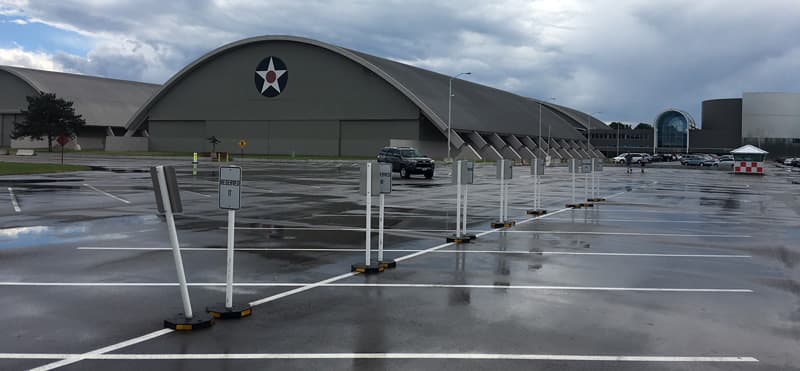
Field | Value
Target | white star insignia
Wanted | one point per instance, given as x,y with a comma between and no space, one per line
270,76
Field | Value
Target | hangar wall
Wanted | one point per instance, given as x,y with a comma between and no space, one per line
329,106
772,121
12,100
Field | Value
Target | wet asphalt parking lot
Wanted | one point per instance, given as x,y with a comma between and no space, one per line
679,269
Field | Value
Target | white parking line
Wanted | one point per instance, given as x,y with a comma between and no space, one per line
197,193
79,357
512,252
438,356
634,234
331,283
484,232
310,286
14,202
106,193
601,220
298,290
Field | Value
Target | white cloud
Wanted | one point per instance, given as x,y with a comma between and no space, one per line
20,57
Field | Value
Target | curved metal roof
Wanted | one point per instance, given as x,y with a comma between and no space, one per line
475,107
101,101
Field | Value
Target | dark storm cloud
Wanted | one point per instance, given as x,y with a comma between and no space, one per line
628,59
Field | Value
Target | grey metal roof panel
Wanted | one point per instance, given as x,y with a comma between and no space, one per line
475,107
101,101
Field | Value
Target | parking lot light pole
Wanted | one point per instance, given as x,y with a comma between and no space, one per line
589,128
450,109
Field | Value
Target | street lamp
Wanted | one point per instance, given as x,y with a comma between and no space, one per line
589,128
548,130
450,109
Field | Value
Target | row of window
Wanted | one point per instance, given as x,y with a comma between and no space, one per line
637,136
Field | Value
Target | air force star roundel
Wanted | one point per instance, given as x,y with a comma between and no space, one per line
271,77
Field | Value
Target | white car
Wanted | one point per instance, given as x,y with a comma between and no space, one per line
635,158
788,161
726,161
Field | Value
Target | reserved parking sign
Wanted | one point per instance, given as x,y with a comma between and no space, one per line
230,183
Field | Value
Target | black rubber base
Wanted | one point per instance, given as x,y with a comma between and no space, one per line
505,224
180,323
537,212
574,206
221,312
469,236
387,264
366,269
587,204
454,239
597,199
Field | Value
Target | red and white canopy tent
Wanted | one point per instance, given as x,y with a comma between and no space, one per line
749,159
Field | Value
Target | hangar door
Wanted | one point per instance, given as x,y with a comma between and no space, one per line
367,137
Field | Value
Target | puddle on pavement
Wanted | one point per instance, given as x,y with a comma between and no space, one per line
35,236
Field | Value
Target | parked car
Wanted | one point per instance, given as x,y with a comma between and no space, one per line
726,161
796,162
709,161
789,160
407,161
620,159
693,160
664,157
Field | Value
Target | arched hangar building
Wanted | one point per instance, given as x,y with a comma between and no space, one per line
291,95
106,104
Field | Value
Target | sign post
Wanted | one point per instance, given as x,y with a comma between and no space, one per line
537,170
168,201
597,166
242,144
194,164
504,171
370,183
467,178
573,169
385,187
462,175
62,141
586,168
230,198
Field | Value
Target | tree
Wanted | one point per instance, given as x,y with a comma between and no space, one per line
619,125
214,141
48,116
643,126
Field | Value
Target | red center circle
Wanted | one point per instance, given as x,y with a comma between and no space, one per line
271,77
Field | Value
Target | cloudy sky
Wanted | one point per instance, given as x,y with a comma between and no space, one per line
626,59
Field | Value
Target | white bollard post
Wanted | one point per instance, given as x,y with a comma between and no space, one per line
535,190
574,169
464,215
458,199
369,213
593,183
173,239
229,280
380,229
585,187
505,204
502,191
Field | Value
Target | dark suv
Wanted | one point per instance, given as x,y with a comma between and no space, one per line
407,161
